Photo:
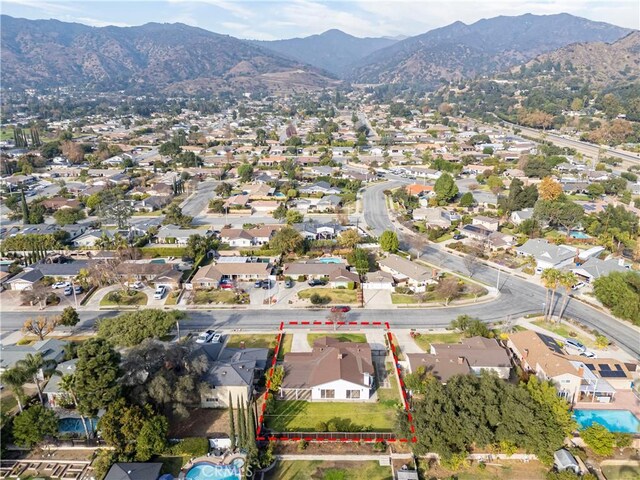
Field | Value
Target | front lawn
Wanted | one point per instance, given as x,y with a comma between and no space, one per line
261,341
120,297
620,472
565,331
226,297
343,337
312,470
336,295
424,341
301,416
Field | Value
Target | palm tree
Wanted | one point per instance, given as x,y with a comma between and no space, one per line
67,385
15,379
33,366
550,279
567,280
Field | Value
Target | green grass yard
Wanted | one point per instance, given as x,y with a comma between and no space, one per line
261,341
313,470
390,396
337,295
119,298
424,341
343,337
621,472
227,297
301,416
565,331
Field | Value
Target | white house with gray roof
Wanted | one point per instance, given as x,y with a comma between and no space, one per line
546,255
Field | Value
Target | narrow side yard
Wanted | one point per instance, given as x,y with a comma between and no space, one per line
312,470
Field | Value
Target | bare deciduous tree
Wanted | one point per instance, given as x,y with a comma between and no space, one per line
40,326
448,289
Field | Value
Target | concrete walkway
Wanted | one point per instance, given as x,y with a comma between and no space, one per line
344,458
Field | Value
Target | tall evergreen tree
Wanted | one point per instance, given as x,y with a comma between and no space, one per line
241,425
232,423
251,426
25,208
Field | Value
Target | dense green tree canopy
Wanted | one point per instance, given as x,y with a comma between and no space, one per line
620,291
287,240
31,426
445,188
96,376
132,328
389,241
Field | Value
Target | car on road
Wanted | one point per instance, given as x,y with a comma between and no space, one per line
341,308
217,338
61,285
458,236
316,281
77,289
159,293
206,336
572,343
135,285
68,291
288,283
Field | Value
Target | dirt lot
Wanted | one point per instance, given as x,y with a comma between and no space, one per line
202,422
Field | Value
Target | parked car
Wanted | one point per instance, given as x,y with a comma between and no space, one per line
258,284
77,289
159,293
217,338
288,283
61,285
266,284
316,281
578,286
570,342
588,354
458,236
206,336
136,285
226,286
341,308
68,291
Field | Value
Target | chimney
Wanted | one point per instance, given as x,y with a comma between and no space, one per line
340,356
580,372
460,360
526,352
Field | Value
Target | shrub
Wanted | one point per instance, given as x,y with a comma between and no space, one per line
317,299
321,427
302,445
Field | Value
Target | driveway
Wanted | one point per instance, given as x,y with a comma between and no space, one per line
375,338
407,345
300,343
377,298
260,296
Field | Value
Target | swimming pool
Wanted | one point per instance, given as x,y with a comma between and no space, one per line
74,425
157,260
614,420
579,235
208,471
330,260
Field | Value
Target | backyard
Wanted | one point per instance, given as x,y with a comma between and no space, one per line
621,472
312,470
301,416
261,341
533,470
335,295
343,337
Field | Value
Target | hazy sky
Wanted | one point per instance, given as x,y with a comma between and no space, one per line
269,20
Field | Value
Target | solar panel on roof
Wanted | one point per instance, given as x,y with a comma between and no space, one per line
590,366
612,374
604,366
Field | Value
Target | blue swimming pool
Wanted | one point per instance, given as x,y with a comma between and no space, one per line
158,260
208,471
74,425
579,235
330,260
614,420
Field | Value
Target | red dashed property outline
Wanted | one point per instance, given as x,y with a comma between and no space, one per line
405,400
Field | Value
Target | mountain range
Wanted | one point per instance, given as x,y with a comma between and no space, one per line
333,50
181,58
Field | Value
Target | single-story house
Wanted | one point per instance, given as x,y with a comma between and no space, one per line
175,235
546,254
234,373
52,390
378,280
24,280
520,216
51,349
406,271
134,471
480,353
594,268
333,370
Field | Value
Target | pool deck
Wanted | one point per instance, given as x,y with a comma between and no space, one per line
624,400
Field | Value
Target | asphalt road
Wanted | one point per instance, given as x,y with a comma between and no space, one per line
582,147
517,296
